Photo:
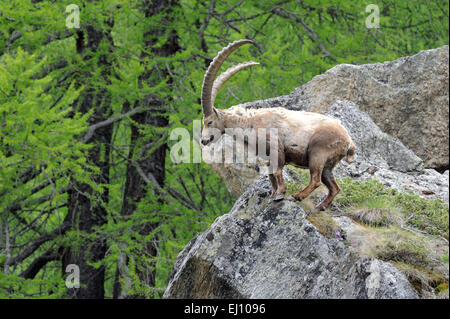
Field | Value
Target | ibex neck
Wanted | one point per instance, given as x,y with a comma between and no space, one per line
233,118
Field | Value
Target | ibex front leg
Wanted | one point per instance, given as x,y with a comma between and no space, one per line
277,159
273,181
278,186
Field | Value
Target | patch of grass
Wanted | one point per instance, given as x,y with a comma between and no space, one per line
415,254
380,205
407,252
425,281
356,193
324,223
442,287
396,227
301,179
373,217
300,174
292,188
429,215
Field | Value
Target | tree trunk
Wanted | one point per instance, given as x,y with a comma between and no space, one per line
84,210
151,163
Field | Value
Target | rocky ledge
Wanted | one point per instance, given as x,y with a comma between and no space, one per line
264,249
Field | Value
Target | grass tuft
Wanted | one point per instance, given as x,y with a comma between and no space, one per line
401,228
407,252
429,215
324,223
425,281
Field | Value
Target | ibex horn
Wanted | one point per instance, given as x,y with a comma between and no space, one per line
208,96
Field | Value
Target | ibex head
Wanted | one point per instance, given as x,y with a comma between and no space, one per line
213,122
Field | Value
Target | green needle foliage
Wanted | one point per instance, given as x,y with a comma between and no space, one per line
86,176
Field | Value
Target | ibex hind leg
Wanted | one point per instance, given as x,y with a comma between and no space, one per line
333,188
316,164
314,182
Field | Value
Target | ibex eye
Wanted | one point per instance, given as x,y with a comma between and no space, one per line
209,123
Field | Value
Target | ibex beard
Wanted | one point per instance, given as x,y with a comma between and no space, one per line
303,139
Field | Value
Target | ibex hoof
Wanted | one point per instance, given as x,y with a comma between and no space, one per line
277,197
298,198
321,207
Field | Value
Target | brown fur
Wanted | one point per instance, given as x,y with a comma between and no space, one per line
306,140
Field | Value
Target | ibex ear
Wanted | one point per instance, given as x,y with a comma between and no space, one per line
217,114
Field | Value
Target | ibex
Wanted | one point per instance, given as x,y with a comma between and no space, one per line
305,139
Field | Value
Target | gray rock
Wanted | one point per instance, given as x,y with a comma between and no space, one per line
374,146
407,98
264,249
378,155
237,176
385,158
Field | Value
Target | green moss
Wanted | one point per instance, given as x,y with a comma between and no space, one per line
442,287
422,279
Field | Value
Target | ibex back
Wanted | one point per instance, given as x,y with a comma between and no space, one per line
305,139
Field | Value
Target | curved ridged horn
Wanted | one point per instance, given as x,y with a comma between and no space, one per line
211,73
226,75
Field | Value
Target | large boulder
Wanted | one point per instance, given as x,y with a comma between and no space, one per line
384,157
378,155
407,98
264,249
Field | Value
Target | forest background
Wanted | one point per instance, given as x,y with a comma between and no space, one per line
86,113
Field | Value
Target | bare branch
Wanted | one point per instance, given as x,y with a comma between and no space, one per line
37,264
14,37
31,225
150,180
208,16
7,248
36,244
232,8
375,38
312,34
247,18
19,203
58,65
107,122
